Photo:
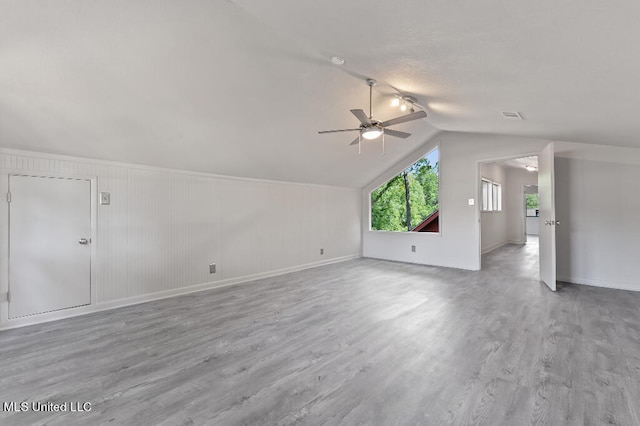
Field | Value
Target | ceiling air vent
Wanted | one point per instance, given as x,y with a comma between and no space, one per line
512,115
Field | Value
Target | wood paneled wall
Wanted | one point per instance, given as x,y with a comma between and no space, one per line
163,228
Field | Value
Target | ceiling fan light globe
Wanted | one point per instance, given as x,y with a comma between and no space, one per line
371,133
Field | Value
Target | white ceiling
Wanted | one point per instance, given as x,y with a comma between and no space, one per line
520,163
241,88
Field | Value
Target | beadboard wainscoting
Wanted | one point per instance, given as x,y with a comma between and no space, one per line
163,228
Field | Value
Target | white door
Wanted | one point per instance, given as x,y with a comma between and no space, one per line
546,194
49,244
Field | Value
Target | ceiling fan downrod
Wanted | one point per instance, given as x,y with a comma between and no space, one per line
371,82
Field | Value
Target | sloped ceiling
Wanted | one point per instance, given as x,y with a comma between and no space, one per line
241,88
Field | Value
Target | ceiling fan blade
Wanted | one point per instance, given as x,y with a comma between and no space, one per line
403,119
355,142
360,115
396,133
336,131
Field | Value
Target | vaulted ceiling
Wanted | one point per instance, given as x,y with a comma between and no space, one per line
242,87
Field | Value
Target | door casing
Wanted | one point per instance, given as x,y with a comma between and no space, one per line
5,322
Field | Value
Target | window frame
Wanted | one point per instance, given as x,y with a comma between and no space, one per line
491,196
526,196
391,175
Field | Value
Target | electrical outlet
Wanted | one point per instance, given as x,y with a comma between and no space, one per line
322,251
413,249
212,268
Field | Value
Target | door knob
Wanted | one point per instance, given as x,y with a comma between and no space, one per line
546,222
83,241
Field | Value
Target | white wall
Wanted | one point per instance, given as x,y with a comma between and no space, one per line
493,223
598,239
533,225
515,202
597,204
458,244
164,227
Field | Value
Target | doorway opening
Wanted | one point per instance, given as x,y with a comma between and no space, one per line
531,212
509,210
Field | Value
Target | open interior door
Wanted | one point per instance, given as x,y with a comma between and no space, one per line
546,194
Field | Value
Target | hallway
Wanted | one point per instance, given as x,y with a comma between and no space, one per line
521,260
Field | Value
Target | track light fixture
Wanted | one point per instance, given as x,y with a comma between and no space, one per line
405,102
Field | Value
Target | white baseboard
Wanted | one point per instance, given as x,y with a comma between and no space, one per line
493,247
128,301
439,265
601,283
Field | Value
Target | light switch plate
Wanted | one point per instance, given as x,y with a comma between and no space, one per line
472,202
105,198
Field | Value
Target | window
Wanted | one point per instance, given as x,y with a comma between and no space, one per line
533,205
409,201
491,196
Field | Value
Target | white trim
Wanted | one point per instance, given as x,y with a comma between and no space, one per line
113,304
504,243
95,162
495,246
368,189
617,285
4,230
438,265
494,201
432,234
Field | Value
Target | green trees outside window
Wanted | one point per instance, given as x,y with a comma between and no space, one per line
533,205
409,198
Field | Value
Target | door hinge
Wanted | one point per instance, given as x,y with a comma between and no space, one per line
8,197
8,296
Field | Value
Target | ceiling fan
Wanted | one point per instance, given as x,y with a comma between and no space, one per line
372,129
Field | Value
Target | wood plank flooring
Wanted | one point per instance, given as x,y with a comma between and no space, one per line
361,342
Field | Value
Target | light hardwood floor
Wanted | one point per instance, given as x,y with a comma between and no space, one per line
360,342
